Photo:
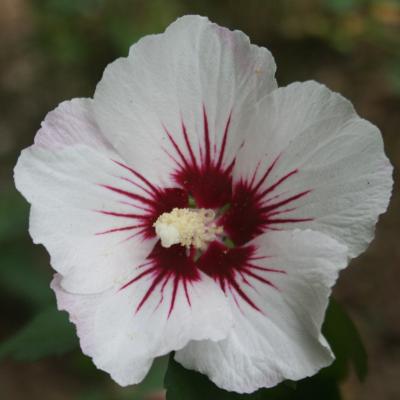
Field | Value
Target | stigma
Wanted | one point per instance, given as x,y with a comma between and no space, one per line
187,227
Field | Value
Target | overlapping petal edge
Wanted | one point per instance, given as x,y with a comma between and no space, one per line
296,178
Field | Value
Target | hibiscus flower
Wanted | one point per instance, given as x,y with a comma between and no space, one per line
194,206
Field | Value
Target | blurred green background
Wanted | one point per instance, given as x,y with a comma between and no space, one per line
52,50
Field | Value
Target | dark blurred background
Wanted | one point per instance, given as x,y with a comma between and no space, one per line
52,50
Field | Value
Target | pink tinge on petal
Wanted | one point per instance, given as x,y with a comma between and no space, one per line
167,266
235,268
71,124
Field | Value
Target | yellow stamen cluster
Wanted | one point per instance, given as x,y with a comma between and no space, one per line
188,227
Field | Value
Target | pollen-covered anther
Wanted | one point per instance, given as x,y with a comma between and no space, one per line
187,227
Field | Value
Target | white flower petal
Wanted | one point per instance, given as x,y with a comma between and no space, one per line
183,109
283,341
60,175
124,342
319,143
171,79
85,199
71,123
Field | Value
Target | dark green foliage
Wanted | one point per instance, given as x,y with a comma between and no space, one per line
345,342
13,215
49,333
182,384
22,279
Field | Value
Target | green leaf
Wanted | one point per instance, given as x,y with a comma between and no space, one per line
49,333
345,342
21,276
183,384
14,212
317,387
154,379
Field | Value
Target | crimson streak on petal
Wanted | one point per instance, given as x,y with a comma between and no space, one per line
253,211
209,178
232,268
165,266
255,205
148,201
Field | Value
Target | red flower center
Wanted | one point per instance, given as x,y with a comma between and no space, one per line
245,210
